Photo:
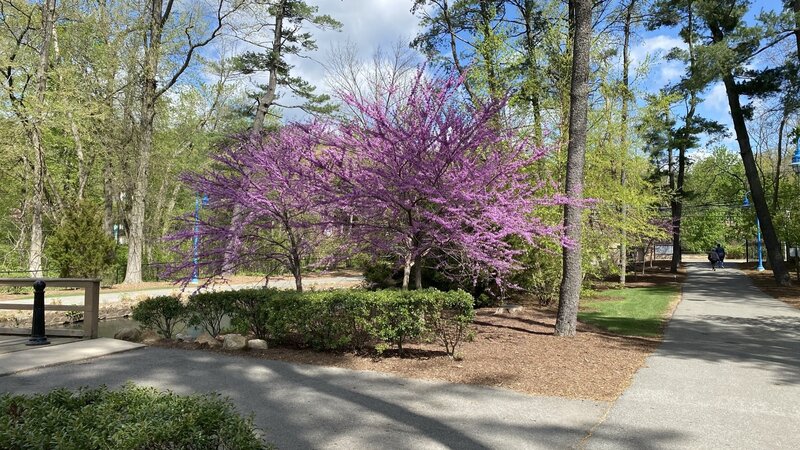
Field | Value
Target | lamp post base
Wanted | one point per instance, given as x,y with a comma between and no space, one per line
38,340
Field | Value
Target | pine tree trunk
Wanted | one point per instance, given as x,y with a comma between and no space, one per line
265,102
756,190
569,297
777,183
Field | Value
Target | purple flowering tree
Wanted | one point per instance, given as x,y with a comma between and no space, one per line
267,181
423,175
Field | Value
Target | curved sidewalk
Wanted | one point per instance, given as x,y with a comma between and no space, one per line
726,376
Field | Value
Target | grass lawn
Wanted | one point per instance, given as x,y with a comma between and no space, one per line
631,312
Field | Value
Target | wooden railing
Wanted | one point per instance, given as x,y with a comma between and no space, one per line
90,307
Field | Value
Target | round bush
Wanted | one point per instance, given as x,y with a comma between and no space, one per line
129,418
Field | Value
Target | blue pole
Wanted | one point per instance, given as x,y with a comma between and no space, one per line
196,238
760,259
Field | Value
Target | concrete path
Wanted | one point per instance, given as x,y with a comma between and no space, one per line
726,376
51,355
309,407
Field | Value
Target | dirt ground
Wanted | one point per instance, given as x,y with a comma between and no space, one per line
766,282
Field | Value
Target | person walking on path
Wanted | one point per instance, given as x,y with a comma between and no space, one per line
713,258
721,254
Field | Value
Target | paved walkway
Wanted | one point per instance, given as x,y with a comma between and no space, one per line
726,376
300,406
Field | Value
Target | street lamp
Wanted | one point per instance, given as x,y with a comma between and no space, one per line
746,204
198,202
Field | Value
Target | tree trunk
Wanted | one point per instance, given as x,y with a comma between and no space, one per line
777,183
417,273
265,102
37,235
408,261
623,250
133,271
756,190
569,297
108,195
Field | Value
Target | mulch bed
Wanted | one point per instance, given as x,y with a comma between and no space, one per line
517,352
765,281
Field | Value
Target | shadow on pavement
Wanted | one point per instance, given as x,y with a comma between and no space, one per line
730,320
301,406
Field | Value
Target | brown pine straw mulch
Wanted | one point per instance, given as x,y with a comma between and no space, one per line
517,352
765,281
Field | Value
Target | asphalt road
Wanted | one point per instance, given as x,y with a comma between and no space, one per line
726,376
299,406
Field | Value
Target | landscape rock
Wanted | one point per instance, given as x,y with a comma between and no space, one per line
257,344
234,342
131,334
208,340
509,309
184,337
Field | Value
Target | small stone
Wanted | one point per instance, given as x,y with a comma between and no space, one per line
206,339
509,309
257,344
234,342
129,334
184,337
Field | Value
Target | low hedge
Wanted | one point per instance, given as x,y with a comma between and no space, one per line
339,319
164,314
129,418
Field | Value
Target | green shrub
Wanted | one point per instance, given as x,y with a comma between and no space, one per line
339,319
162,314
450,318
129,418
401,316
207,309
80,248
250,311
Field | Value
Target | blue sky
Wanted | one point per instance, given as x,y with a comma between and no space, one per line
373,23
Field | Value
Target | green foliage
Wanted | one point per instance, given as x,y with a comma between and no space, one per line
632,311
129,418
250,312
163,314
80,247
349,319
207,309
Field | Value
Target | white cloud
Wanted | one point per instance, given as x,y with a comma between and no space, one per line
716,101
651,53
655,47
367,24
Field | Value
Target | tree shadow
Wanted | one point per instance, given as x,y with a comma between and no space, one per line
729,320
299,406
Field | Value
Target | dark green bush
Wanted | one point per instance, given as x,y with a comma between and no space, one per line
207,309
129,418
162,314
80,247
250,311
450,319
339,319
